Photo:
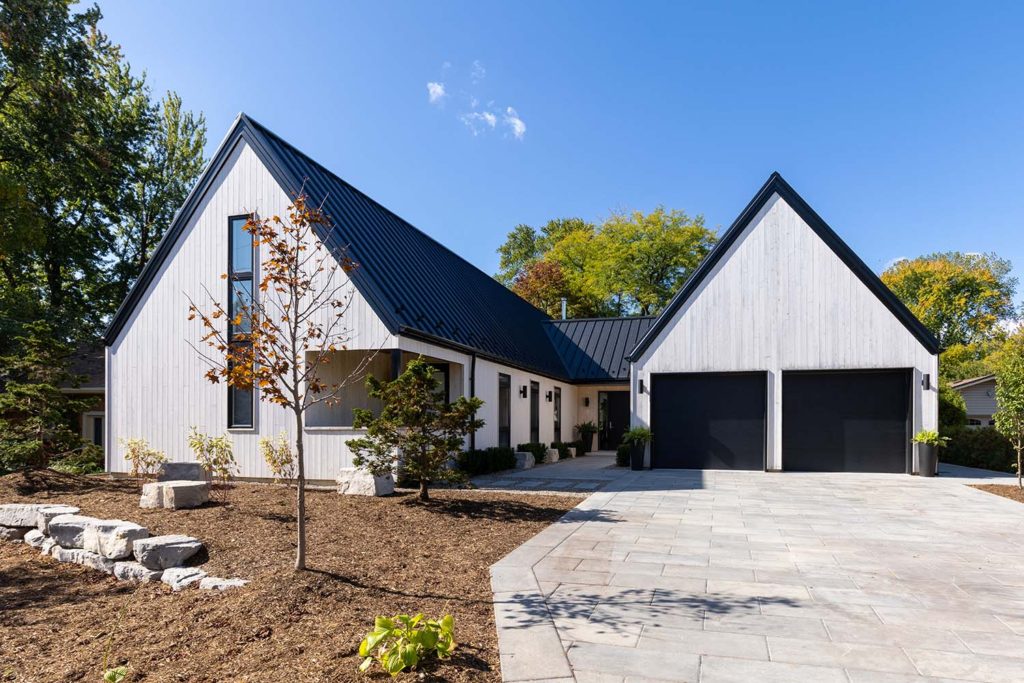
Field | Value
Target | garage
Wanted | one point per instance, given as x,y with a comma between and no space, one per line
846,421
708,420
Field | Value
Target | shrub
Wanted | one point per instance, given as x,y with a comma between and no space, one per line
930,437
145,461
487,460
639,436
622,455
578,445
562,448
539,450
85,460
214,454
401,642
279,457
982,447
952,408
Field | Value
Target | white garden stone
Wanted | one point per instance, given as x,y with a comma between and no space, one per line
134,571
354,481
47,512
163,552
35,538
209,583
113,538
27,514
182,577
525,461
553,455
181,471
68,531
12,533
174,495
84,558
47,546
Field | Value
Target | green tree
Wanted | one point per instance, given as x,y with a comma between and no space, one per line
961,298
416,431
35,415
952,408
1009,417
525,245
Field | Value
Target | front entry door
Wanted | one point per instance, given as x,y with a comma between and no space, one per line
612,417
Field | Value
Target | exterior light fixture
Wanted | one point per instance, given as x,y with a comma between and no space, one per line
522,391
926,381
640,387
586,401
548,397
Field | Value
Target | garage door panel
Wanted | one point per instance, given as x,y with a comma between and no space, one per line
851,421
708,420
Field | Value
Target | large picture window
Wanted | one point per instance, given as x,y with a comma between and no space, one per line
504,411
241,266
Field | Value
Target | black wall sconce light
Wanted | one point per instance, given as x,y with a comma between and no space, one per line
522,391
926,381
640,387
548,397
586,401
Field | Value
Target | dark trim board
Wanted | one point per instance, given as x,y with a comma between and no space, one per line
709,420
777,185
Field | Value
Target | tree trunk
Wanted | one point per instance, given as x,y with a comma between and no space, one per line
1020,483
424,494
300,496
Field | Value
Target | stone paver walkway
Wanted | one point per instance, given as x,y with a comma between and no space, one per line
746,576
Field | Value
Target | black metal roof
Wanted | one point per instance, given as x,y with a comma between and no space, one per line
776,184
595,349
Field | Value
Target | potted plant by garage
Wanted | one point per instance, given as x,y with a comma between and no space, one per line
928,444
637,438
587,431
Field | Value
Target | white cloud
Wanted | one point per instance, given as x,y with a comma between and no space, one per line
479,122
436,92
513,121
893,261
478,72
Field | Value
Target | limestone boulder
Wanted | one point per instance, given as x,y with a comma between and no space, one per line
175,495
27,514
113,538
181,471
84,558
35,538
354,481
214,583
68,531
47,546
13,533
134,571
45,513
525,461
164,552
182,577
553,455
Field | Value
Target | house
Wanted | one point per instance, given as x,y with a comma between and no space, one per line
980,396
86,365
782,352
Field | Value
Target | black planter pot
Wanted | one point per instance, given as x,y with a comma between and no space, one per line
588,441
636,456
927,460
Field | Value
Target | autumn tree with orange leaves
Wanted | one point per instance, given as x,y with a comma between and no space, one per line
277,340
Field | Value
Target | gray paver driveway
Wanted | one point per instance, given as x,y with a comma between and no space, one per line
746,576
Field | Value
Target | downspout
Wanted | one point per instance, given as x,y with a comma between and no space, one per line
472,394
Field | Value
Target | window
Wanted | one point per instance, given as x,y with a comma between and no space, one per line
534,412
973,422
441,374
558,414
97,430
504,411
240,293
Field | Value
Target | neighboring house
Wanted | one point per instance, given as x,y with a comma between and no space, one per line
980,396
87,364
783,351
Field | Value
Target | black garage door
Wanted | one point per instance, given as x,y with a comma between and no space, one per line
708,420
849,421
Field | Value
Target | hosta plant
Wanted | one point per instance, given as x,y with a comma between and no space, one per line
401,642
115,675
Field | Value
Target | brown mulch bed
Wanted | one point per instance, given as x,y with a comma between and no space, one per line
1011,492
368,556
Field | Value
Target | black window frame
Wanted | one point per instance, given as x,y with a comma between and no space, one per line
557,414
504,410
235,394
534,412
444,370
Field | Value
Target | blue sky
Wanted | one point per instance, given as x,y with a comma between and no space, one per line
901,123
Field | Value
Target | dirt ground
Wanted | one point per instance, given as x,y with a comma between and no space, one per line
368,556
1012,492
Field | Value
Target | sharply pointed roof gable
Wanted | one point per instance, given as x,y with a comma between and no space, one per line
416,286
776,184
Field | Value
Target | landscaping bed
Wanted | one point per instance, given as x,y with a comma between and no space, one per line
1012,492
369,556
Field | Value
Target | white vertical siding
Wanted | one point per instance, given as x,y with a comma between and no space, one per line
156,390
780,299
487,390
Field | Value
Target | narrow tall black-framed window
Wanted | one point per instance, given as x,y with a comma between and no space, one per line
504,410
558,414
241,268
442,374
534,412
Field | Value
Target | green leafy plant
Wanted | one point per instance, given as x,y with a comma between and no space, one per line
145,461
85,460
586,428
115,675
1009,418
493,459
214,454
539,450
930,437
563,449
578,445
280,457
401,642
622,455
637,436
